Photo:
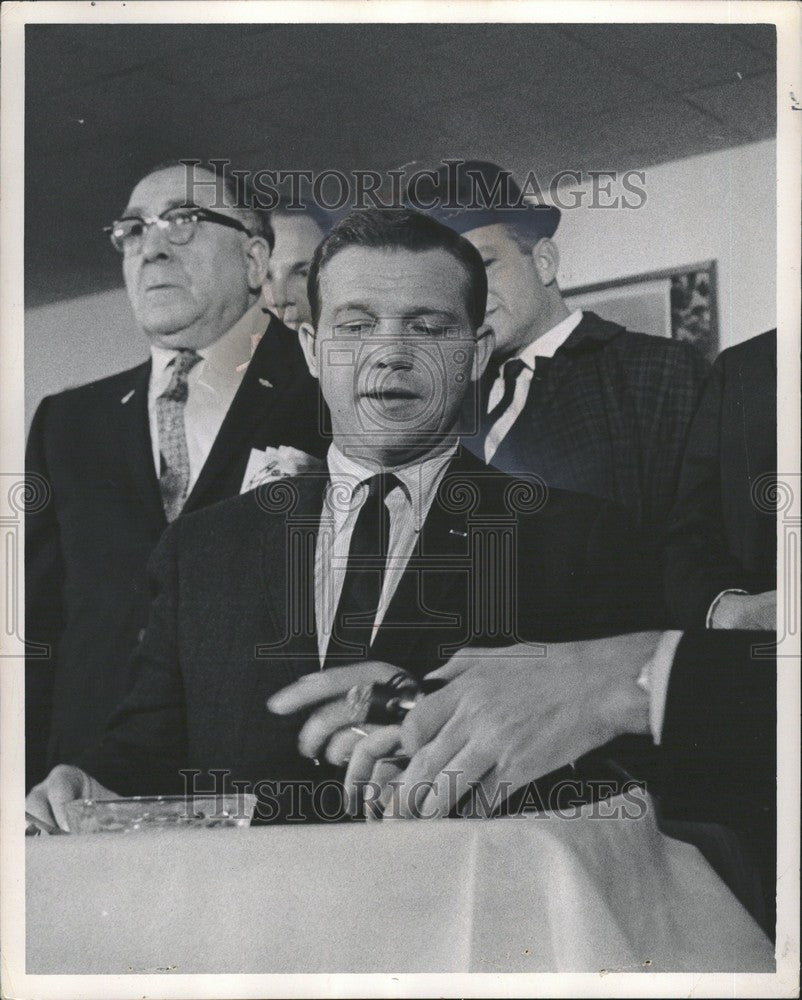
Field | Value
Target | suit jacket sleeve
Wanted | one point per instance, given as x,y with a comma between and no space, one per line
698,565
718,748
144,745
44,581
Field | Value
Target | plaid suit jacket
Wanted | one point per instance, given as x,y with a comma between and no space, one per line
608,416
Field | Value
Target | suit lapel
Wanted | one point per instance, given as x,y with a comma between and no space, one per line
138,448
293,508
262,385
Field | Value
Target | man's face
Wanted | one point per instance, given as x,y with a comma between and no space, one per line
297,237
395,350
515,293
189,295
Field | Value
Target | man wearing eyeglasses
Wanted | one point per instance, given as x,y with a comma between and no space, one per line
124,456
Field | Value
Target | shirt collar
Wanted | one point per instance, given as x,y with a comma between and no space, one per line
227,356
551,341
419,480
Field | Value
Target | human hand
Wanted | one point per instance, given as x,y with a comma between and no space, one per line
747,611
511,715
373,772
285,461
65,783
331,726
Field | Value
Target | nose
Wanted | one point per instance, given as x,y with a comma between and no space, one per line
279,291
155,245
398,360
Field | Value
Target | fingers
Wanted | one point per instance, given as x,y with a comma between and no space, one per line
426,765
322,725
61,788
37,804
428,717
362,766
341,745
457,665
326,684
456,779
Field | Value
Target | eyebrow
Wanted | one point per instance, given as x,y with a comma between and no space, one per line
134,210
431,311
411,311
355,306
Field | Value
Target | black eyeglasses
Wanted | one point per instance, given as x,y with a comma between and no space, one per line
179,226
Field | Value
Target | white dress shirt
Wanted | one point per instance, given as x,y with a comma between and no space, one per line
654,680
408,505
212,385
544,347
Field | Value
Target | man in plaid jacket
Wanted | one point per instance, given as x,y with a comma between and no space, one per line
582,402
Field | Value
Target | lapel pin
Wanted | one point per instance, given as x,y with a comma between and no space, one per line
266,383
127,396
459,534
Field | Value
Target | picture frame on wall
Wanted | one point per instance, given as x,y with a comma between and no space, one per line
676,302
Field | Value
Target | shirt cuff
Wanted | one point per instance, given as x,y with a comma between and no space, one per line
712,609
654,680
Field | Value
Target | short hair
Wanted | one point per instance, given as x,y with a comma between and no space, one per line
239,193
524,230
322,219
400,229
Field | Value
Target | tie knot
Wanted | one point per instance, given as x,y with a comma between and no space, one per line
512,369
182,365
381,484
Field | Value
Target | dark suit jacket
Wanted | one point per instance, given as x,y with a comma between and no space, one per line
722,531
608,415
87,547
718,754
233,617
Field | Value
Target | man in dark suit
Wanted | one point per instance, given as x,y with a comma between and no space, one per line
408,550
722,535
580,401
123,456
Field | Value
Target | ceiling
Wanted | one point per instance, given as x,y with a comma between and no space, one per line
106,102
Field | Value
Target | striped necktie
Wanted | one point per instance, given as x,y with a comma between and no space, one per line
174,458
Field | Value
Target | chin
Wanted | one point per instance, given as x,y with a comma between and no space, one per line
170,330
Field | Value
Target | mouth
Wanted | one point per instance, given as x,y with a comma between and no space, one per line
385,394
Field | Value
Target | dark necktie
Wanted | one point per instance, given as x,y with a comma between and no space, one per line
174,458
511,370
364,575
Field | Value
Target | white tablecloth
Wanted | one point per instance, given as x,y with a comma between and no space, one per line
516,895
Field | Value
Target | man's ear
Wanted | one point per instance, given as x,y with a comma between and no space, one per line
308,341
546,258
257,255
485,345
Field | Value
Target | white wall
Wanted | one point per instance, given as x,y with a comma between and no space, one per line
78,340
718,206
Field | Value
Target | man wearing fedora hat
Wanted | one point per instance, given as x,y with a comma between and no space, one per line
583,402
